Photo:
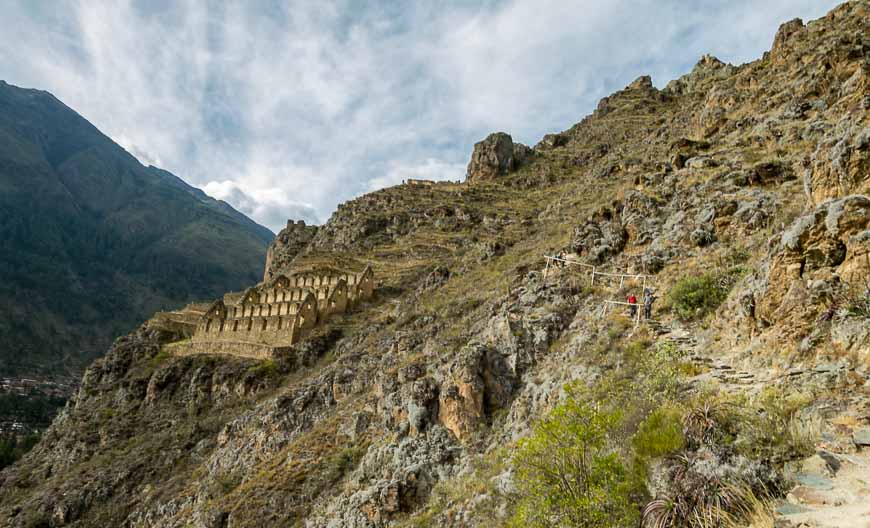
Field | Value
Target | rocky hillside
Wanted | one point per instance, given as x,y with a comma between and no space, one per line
93,242
483,387
291,241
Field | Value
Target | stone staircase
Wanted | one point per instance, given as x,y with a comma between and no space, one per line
713,368
831,488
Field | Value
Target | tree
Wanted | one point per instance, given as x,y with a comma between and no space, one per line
569,476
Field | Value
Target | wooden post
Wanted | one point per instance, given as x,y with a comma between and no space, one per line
546,269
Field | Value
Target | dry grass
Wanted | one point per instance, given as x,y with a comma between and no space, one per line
753,512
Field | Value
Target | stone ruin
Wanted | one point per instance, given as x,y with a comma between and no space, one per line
269,317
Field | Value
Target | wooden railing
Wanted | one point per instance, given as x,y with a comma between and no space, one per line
593,272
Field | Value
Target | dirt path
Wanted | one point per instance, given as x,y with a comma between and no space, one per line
831,488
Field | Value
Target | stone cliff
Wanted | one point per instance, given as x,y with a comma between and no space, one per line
737,193
287,244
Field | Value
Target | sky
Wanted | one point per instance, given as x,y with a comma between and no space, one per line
287,108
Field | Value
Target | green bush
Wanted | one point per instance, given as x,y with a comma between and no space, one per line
569,476
695,297
775,427
264,369
159,358
660,434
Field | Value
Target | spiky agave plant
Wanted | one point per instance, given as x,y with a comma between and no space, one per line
660,513
699,424
696,500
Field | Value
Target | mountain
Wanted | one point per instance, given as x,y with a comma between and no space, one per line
93,242
485,384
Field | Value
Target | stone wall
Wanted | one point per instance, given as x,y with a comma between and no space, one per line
277,313
230,348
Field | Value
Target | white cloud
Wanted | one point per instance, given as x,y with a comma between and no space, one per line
430,169
285,108
272,205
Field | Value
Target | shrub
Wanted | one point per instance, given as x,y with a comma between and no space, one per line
775,428
660,434
264,369
709,503
568,476
695,297
159,358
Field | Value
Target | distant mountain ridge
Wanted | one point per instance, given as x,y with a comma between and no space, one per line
93,242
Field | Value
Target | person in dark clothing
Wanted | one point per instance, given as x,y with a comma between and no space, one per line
648,299
632,308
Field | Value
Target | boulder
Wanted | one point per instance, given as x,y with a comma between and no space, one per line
492,157
861,437
770,172
700,162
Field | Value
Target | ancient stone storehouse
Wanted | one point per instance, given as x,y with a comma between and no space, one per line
276,314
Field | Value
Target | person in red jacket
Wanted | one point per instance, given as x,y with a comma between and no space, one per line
632,301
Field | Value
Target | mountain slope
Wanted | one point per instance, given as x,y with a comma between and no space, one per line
93,242
739,192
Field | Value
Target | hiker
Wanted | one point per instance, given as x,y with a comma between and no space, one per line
648,299
632,302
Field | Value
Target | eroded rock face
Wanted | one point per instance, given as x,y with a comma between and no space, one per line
840,164
287,244
601,236
460,405
783,35
492,157
831,241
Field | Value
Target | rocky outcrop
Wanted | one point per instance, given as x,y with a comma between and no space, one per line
840,164
707,69
287,244
829,245
601,236
496,156
784,34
